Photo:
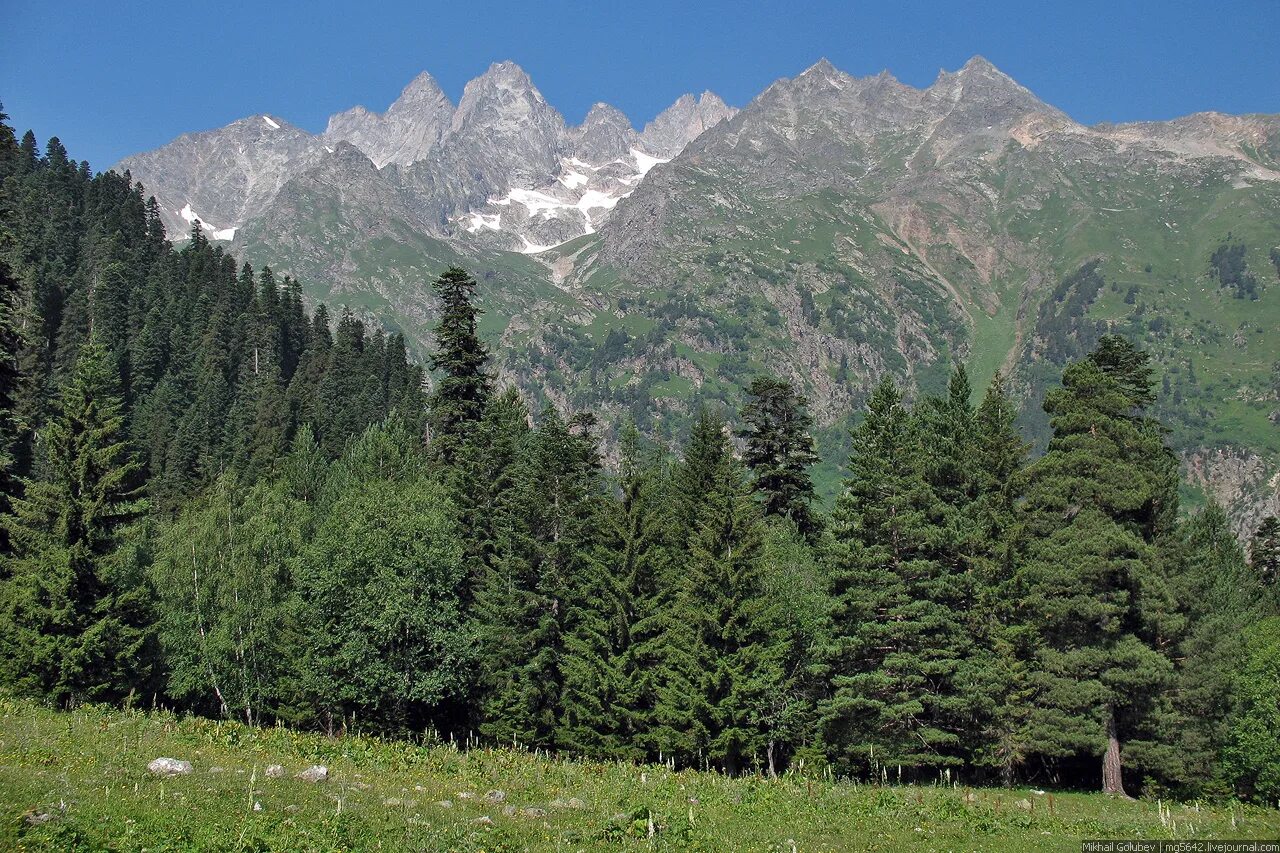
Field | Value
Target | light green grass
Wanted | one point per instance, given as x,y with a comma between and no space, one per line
86,770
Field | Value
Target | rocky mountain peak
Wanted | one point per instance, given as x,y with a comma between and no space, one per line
406,133
421,88
605,134
504,100
682,122
985,96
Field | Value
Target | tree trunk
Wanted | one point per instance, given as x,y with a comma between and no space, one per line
1112,783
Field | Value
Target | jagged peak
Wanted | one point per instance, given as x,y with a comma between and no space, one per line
977,67
420,87
980,64
822,67
710,100
601,112
506,73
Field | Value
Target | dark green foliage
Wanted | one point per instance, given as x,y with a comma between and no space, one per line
463,390
1090,581
75,619
542,587
730,664
779,450
1228,265
1220,601
896,637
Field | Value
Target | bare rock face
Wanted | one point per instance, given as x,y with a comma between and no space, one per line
407,132
605,134
682,122
222,177
501,166
1242,482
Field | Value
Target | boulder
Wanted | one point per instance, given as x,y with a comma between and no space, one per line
169,767
495,796
314,773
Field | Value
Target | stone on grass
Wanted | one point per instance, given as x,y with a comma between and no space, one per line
445,804
575,803
1025,805
495,796
314,773
35,818
169,767
508,811
533,811
274,771
484,820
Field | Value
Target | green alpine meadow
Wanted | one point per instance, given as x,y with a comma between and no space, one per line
875,464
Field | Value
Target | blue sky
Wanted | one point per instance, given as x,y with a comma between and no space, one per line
115,76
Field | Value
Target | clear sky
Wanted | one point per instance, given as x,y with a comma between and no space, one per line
115,76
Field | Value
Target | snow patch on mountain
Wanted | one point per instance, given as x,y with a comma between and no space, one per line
214,231
271,124
645,162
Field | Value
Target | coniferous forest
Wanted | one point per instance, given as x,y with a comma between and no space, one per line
216,501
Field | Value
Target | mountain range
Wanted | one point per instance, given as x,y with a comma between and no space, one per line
832,230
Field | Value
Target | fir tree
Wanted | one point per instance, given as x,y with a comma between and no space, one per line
730,666
541,589
779,450
463,391
896,638
75,626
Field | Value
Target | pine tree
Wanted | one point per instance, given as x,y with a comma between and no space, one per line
896,638
463,391
779,450
1099,501
76,621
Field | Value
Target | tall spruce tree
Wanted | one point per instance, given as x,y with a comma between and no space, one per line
995,676
896,636
463,391
779,450
76,618
1090,579
729,664
541,587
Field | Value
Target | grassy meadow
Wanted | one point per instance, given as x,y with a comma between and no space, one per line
72,781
